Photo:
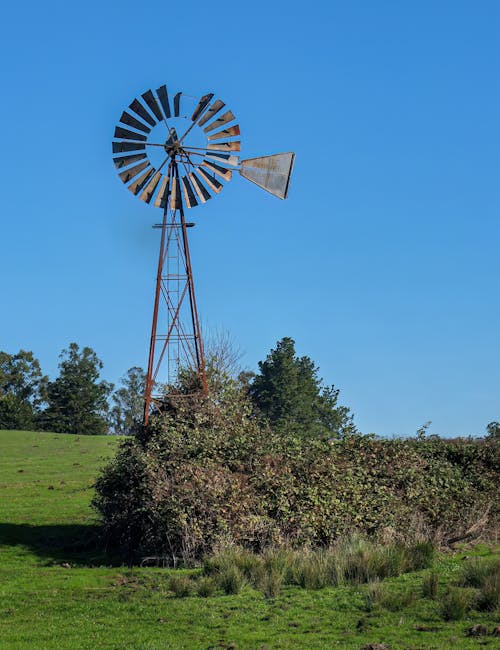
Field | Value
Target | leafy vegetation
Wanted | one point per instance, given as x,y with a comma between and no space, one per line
208,472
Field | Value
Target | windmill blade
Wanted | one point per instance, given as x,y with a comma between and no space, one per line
189,196
129,120
125,134
225,146
223,119
139,183
226,174
213,110
228,159
128,160
199,188
138,108
150,100
149,188
210,180
177,106
121,147
272,173
175,197
162,196
127,175
163,97
202,104
225,133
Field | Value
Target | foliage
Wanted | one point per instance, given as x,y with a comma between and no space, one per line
76,400
289,393
180,585
128,407
455,604
493,430
21,388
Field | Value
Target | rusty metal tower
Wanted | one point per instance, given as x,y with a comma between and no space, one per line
174,159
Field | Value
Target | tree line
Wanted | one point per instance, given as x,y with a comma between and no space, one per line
77,401
286,390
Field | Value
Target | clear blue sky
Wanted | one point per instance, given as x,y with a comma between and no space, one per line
383,264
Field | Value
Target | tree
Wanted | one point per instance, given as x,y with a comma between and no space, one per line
127,412
76,400
289,393
493,430
21,387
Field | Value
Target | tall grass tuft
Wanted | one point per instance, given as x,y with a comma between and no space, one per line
180,585
430,584
488,598
231,580
455,604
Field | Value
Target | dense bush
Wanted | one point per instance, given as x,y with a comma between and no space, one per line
208,473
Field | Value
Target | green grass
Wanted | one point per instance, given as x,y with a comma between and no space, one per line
58,591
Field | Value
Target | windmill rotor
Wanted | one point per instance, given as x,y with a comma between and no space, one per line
177,152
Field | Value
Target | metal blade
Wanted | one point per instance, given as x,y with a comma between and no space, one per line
189,196
225,133
199,188
129,120
223,119
125,134
149,189
272,173
120,147
162,196
138,108
127,175
215,108
177,108
175,197
128,160
210,180
225,146
139,183
226,174
150,100
234,161
163,97
202,104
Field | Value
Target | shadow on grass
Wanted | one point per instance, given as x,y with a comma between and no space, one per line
75,543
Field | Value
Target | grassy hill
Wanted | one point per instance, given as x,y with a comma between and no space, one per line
58,591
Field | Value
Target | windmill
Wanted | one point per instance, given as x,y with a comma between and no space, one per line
176,155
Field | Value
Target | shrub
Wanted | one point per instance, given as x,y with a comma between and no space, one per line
207,471
270,583
455,604
181,585
206,587
488,598
477,570
231,580
430,584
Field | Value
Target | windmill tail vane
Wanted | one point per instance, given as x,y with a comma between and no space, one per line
176,154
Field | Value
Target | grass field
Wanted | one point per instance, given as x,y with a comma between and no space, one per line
58,591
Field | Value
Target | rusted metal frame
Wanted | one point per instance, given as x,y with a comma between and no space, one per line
192,298
181,333
174,317
200,109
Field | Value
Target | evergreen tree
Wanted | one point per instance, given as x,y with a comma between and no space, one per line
289,393
127,412
21,387
76,400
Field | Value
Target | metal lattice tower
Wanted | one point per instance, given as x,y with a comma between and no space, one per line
175,172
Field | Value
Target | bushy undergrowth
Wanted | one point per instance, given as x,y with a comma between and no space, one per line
209,473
